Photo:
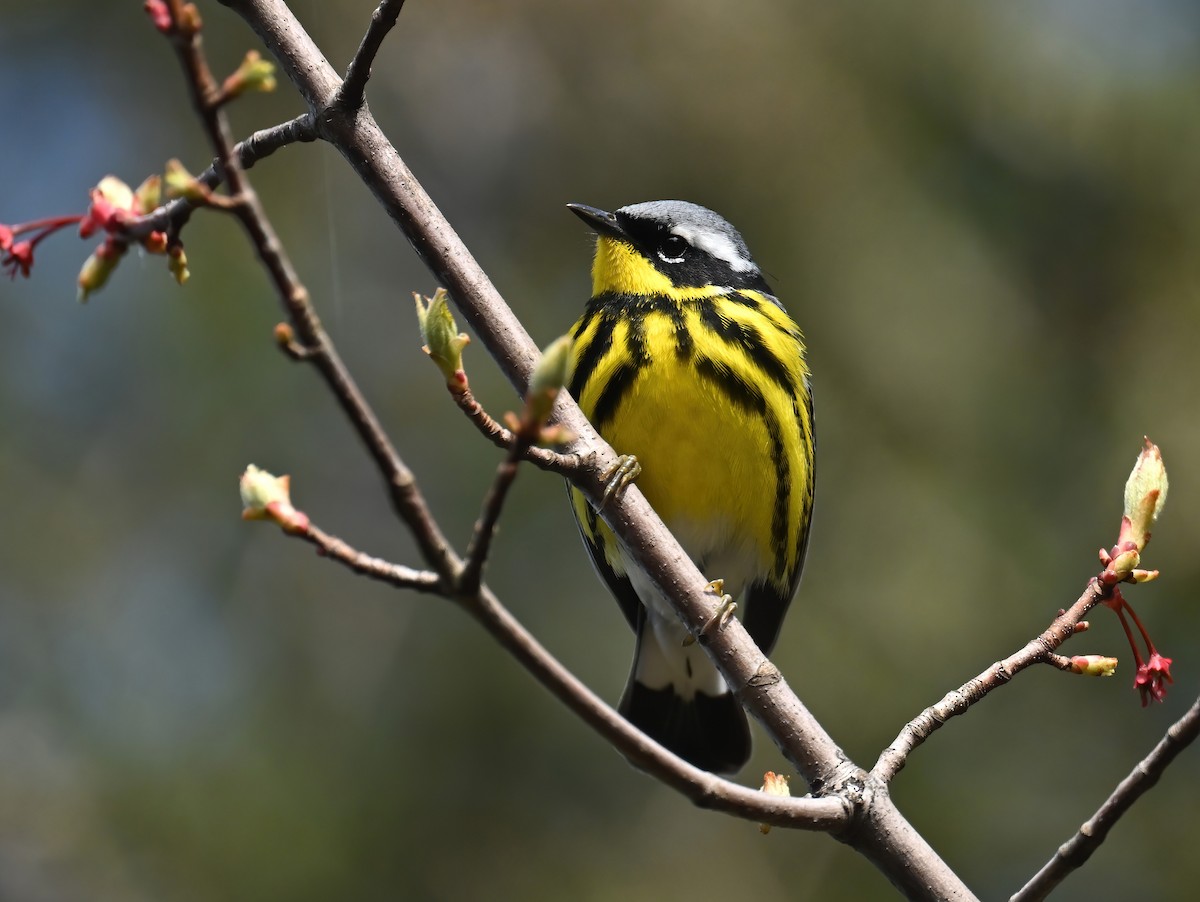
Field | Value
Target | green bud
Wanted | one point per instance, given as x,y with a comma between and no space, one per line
1093,665
258,489
268,497
1145,494
254,74
181,183
177,264
549,376
148,194
98,267
94,274
443,341
116,192
1123,564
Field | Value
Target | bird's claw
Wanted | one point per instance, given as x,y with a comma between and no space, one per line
724,611
619,477
720,617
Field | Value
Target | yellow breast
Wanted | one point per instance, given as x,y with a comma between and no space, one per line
724,444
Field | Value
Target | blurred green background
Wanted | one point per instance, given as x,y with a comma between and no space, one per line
984,217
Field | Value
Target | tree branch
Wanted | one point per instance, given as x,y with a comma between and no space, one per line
172,216
704,789
376,568
485,526
352,94
498,435
1072,854
959,701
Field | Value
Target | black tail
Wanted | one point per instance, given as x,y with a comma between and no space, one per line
710,731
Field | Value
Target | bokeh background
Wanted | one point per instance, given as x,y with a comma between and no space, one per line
983,215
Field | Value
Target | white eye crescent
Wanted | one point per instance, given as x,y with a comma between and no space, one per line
673,249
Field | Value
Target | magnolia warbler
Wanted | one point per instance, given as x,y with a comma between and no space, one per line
685,360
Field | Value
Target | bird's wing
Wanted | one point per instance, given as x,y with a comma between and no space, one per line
618,584
766,602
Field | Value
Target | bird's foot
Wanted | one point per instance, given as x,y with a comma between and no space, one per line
619,477
720,617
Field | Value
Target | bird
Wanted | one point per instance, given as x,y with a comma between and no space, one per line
688,365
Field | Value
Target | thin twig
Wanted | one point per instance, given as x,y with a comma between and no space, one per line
406,497
705,789
959,701
172,216
294,349
1057,661
501,437
376,568
1079,848
352,94
485,526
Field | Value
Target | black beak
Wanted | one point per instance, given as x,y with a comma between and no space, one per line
603,223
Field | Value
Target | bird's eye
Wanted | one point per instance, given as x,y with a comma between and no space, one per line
672,249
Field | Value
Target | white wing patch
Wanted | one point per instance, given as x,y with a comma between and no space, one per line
718,245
